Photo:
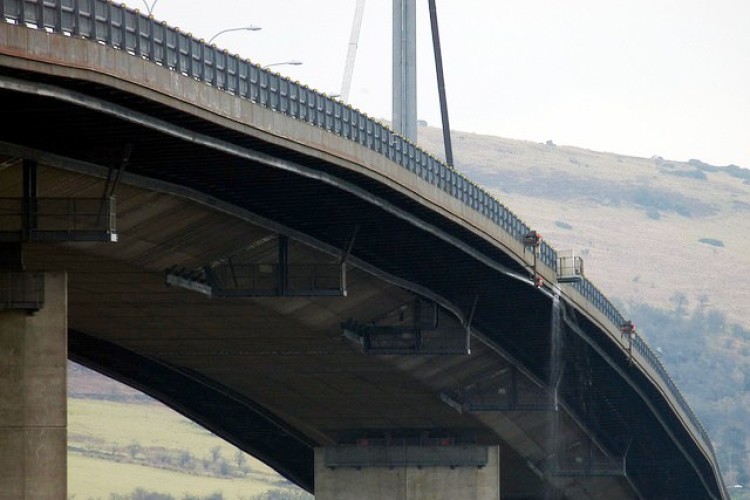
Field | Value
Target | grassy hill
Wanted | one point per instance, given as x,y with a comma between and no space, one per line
647,228
668,241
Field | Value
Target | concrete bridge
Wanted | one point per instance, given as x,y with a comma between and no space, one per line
300,280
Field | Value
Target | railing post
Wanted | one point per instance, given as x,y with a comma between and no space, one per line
76,18
21,12
152,39
138,35
202,63
188,54
110,39
40,14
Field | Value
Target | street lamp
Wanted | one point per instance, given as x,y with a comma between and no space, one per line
284,63
150,8
241,28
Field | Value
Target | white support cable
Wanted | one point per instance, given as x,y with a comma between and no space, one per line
351,54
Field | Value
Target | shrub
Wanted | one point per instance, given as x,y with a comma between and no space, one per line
711,241
141,494
703,166
737,171
283,495
688,174
653,213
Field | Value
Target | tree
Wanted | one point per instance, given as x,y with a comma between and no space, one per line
134,449
680,301
215,454
735,441
241,460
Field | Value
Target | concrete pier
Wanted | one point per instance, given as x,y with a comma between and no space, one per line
412,482
33,411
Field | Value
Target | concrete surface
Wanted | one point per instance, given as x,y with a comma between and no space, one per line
33,410
408,483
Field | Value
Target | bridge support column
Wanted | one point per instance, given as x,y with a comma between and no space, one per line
405,482
404,118
33,407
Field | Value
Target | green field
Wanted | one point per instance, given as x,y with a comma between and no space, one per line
117,447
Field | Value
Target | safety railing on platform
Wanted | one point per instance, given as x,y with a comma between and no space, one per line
58,219
143,36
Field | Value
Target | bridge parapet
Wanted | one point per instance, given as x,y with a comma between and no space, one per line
144,37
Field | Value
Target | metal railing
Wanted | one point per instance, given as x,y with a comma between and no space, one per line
58,219
597,298
143,36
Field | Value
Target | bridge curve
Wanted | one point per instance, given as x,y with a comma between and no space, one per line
146,84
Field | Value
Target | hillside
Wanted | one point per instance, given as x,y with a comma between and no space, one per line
637,222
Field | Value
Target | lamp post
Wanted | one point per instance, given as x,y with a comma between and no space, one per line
283,63
241,28
150,8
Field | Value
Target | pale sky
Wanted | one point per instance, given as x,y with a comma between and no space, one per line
635,77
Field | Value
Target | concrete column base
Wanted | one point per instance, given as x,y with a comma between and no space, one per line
33,405
408,482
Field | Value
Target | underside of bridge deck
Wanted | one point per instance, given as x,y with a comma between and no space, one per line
280,375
